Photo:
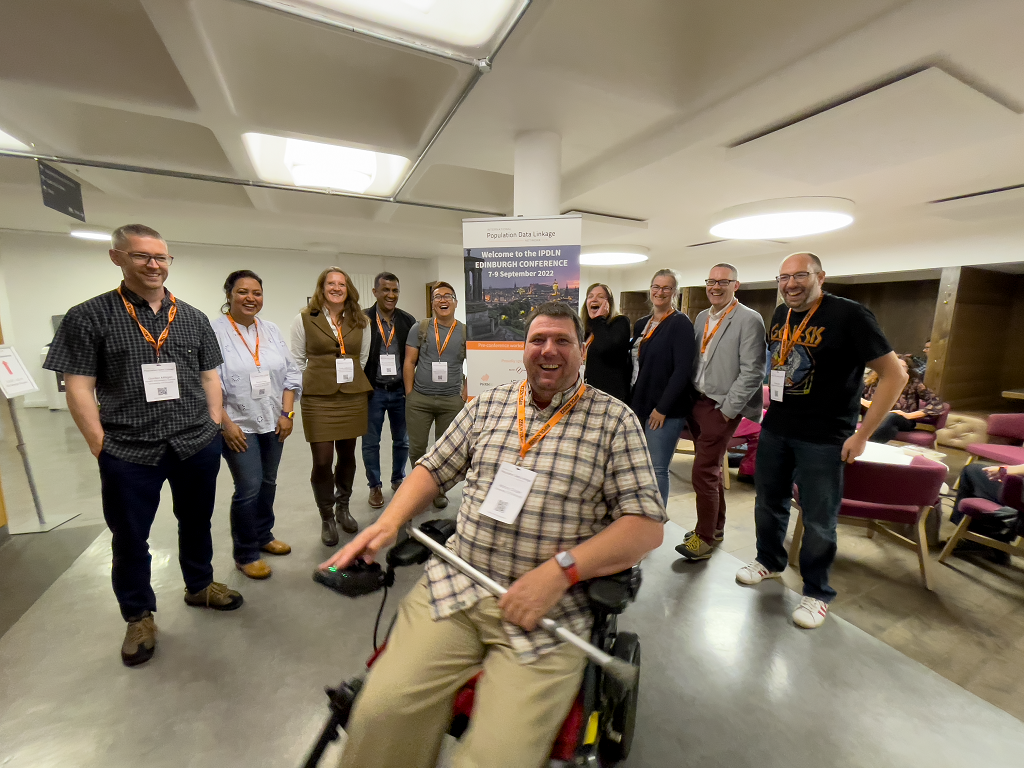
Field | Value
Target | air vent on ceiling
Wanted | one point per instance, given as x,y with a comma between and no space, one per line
983,192
998,203
709,242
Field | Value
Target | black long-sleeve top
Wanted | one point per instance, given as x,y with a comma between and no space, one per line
609,366
666,360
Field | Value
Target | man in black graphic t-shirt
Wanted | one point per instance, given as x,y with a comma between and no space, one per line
818,346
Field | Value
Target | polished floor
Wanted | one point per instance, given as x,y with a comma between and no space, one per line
727,679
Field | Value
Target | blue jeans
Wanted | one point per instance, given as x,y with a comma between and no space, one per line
662,445
131,495
393,404
254,471
817,469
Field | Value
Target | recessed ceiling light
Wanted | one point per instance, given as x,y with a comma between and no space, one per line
324,166
9,142
470,26
90,234
787,217
612,255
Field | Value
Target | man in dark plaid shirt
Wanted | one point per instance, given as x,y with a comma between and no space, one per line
593,509
153,423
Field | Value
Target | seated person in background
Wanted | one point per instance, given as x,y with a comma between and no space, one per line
591,508
917,404
980,482
920,362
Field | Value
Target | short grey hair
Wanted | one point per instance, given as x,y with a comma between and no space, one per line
559,311
730,267
119,237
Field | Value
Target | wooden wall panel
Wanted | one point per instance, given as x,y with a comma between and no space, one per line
1012,373
634,305
905,310
3,506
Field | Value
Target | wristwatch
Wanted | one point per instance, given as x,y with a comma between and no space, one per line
568,564
288,414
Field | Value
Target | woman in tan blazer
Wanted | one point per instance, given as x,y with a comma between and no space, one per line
331,345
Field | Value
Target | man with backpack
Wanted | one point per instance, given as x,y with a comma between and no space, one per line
435,390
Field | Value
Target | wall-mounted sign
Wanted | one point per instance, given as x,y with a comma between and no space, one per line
61,192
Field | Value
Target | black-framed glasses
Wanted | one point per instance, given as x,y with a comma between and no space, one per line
797,276
445,297
162,259
662,289
719,283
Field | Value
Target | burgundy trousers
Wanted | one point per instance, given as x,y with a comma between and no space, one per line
711,434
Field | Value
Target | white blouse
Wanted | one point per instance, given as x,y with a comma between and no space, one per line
298,341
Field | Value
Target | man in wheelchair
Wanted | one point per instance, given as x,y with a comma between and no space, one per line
559,489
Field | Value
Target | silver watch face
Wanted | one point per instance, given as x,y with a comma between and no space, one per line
565,559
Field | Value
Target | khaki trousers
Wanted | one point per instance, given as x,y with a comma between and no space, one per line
422,412
405,708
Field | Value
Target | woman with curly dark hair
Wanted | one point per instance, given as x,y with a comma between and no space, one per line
917,404
331,348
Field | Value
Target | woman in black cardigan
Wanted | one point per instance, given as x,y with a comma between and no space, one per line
663,350
606,349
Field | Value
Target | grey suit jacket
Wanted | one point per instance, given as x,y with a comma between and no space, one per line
736,362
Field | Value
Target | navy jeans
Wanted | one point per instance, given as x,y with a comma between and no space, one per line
254,471
131,495
817,470
662,445
393,404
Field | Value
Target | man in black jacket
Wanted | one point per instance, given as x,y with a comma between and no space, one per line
389,327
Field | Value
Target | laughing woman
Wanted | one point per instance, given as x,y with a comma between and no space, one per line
606,349
331,347
261,383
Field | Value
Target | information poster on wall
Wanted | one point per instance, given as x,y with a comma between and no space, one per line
514,265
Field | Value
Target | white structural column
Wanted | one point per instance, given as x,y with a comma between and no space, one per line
538,174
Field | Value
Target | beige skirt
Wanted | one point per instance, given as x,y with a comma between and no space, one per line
341,416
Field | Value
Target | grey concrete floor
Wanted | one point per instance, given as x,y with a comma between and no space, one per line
727,679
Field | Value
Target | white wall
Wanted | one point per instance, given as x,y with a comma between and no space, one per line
43,275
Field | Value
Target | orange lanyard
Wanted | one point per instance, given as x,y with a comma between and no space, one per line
380,327
707,338
155,343
651,331
437,337
524,444
337,331
787,345
586,345
256,354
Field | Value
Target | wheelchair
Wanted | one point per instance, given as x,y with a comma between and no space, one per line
597,732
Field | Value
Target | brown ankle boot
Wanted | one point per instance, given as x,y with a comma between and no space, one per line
328,530
344,517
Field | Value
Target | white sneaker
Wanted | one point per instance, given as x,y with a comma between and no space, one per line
811,613
754,573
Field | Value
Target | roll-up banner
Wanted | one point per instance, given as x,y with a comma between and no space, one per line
514,265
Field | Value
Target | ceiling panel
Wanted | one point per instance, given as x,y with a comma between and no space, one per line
457,185
101,47
323,205
16,171
293,77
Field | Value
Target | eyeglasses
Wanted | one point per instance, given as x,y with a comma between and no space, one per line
797,276
719,283
662,289
445,297
161,259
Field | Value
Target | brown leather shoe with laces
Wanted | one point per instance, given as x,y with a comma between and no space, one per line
276,548
217,596
257,569
139,641
376,498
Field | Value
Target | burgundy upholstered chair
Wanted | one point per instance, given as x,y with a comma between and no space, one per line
1005,438
924,435
1010,496
876,495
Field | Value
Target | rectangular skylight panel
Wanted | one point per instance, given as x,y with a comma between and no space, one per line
9,142
319,165
470,27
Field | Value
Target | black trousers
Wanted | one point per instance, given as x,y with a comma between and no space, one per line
131,495
890,425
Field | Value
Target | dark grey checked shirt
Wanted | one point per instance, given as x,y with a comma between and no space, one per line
592,468
99,338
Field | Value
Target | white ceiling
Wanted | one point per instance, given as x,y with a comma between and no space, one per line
890,103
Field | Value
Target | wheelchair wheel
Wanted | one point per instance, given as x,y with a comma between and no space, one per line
623,714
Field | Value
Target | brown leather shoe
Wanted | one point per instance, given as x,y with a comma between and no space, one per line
276,548
139,641
396,484
215,595
376,498
440,501
257,569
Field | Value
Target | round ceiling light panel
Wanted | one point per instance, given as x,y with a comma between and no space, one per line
783,218
90,234
612,255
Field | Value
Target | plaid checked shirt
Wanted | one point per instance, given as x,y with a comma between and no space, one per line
592,468
99,338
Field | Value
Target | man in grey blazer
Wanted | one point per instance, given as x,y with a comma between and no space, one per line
729,371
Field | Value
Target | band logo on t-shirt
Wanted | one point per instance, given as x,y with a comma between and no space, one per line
799,366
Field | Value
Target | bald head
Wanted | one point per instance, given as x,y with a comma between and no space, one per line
800,280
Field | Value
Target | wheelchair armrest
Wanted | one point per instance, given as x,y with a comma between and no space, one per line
614,592
411,552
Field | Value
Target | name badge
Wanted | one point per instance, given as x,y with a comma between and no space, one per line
776,385
260,385
160,381
508,493
389,365
345,369
439,373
